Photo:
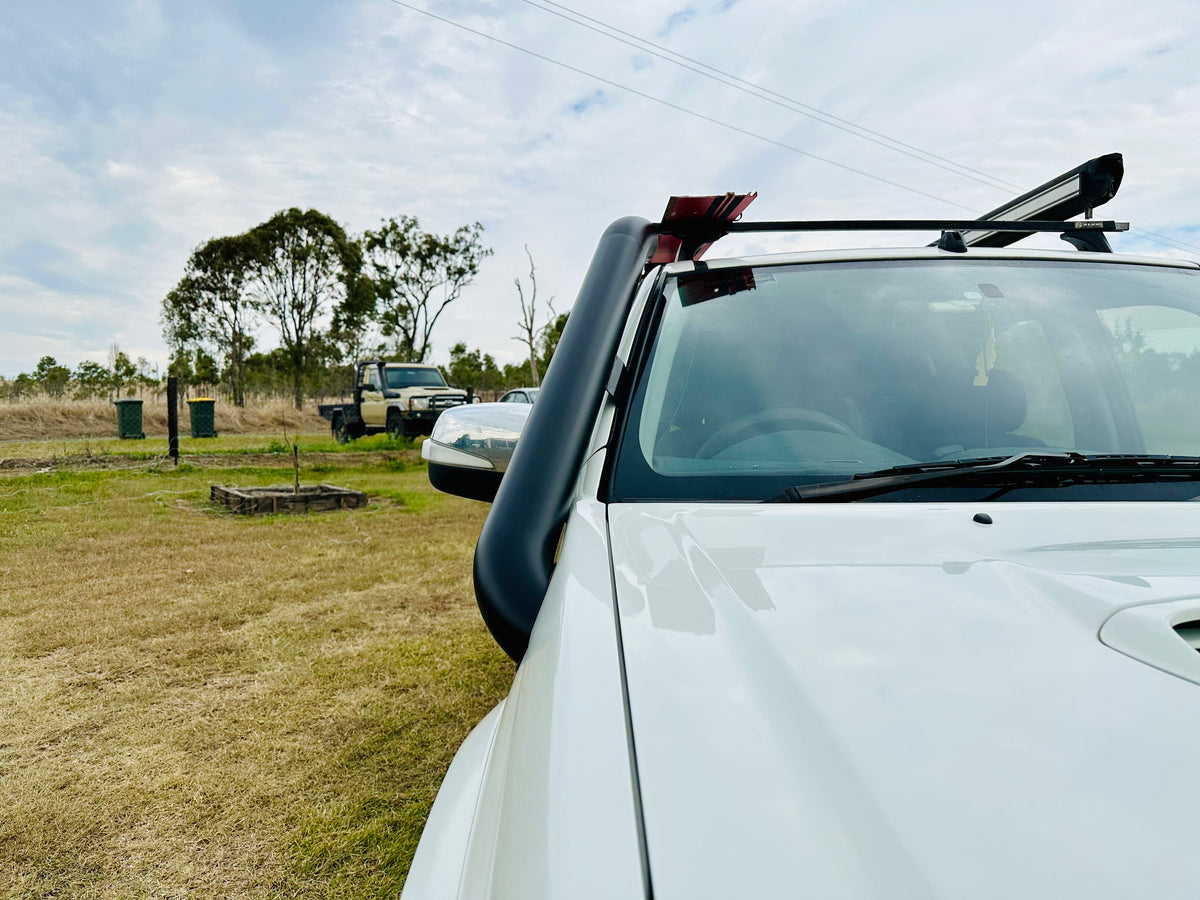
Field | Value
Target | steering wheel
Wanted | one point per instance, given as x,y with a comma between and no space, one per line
769,421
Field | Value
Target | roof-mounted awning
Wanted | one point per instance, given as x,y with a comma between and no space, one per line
1073,193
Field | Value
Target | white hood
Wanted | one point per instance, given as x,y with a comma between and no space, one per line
892,700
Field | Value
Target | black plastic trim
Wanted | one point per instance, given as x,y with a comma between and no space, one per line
635,369
515,554
474,484
1091,241
616,378
952,242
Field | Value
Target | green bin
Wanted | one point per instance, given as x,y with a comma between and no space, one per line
129,419
202,413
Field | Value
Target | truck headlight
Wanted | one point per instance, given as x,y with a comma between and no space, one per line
418,403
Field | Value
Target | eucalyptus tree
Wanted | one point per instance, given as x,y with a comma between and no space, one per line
210,306
304,268
473,368
416,275
51,377
91,379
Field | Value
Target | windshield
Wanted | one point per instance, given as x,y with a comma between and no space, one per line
403,377
760,378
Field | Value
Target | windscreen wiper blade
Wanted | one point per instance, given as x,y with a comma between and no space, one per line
1038,467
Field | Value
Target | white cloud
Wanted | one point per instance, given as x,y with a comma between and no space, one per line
135,132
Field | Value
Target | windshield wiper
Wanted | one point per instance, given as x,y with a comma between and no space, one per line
1036,468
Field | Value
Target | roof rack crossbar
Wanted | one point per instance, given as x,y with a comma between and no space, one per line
691,224
1019,227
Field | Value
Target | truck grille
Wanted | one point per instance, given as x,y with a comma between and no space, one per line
445,401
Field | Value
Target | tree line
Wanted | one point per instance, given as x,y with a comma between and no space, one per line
122,376
328,298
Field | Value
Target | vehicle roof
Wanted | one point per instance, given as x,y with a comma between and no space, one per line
412,365
893,253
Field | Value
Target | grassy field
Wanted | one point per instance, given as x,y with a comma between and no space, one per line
204,705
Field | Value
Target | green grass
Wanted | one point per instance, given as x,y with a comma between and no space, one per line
156,447
207,705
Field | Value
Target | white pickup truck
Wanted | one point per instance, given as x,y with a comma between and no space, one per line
861,574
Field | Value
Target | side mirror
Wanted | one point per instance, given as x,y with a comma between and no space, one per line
471,445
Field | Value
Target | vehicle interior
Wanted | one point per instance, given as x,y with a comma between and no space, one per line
834,369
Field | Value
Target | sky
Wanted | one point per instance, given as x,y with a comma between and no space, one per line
132,131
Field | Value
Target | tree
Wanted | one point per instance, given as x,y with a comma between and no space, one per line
551,335
180,367
303,264
209,305
267,372
518,375
354,317
415,276
91,379
22,386
51,377
147,375
474,369
121,369
205,368
532,335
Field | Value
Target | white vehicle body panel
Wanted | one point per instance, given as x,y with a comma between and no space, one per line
840,700
870,700
556,814
438,863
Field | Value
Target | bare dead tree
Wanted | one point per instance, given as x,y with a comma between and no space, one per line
532,335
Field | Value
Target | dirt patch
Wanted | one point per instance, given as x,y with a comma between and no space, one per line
214,461
26,463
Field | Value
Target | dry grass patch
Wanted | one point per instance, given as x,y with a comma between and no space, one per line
205,705
44,418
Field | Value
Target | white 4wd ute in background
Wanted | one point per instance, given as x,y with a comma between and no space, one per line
403,399
842,574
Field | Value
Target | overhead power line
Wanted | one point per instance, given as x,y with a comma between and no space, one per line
730,80
1164,240
762,93
677,107
790,103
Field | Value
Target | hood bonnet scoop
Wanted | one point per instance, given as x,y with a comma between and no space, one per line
1163,635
